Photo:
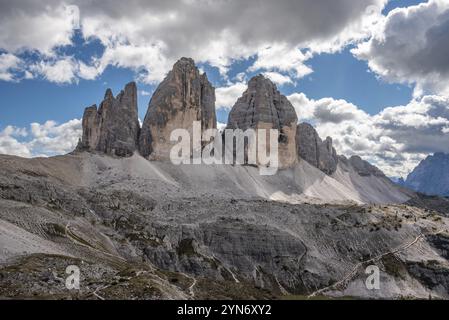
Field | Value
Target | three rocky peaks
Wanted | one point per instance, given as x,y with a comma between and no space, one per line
185,96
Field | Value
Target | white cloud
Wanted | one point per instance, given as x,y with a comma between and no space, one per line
60,71
37,26
50,138
282,58
227,96
65,70
411,45
278,78
9,143
395,139
149,36
87,72
8,63
147,60
145,93
46,139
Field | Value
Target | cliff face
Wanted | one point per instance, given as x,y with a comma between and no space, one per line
263,107
183,97
114,128
315,151
186,96
431,176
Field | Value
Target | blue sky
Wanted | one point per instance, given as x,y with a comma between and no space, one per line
341,65
337,75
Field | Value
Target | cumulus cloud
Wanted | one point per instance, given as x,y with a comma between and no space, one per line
411,45
8,63
63,70
46,139
60,71
278,78
50,138
148,36
9,143
36,26
227,96
282,58
395,139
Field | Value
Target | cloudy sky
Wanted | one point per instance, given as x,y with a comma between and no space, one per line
372,74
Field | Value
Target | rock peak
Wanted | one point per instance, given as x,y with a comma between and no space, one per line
108,94
261,81
184,63
131,87
113,128
263,106
316,152
183,97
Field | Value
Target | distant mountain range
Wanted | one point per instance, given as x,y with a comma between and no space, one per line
431,176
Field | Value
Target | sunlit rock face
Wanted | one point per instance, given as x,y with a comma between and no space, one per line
114,128
262,106
185,96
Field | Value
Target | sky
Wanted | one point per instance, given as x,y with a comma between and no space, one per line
372,74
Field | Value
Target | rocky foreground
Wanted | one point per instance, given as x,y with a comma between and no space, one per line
142,230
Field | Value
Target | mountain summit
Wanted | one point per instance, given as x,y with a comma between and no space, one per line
183,97
431,176
262,106
114,128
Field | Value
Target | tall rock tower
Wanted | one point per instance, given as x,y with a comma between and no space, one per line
183,97
263,107
113,128
320,154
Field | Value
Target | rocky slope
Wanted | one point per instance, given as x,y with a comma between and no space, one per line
150,230
431,176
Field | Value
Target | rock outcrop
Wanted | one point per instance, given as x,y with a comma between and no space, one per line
183,97
315,151
431,176
362,167
262,106
113,128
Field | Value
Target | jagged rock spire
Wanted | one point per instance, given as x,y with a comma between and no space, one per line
315,151
183,97
113,128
